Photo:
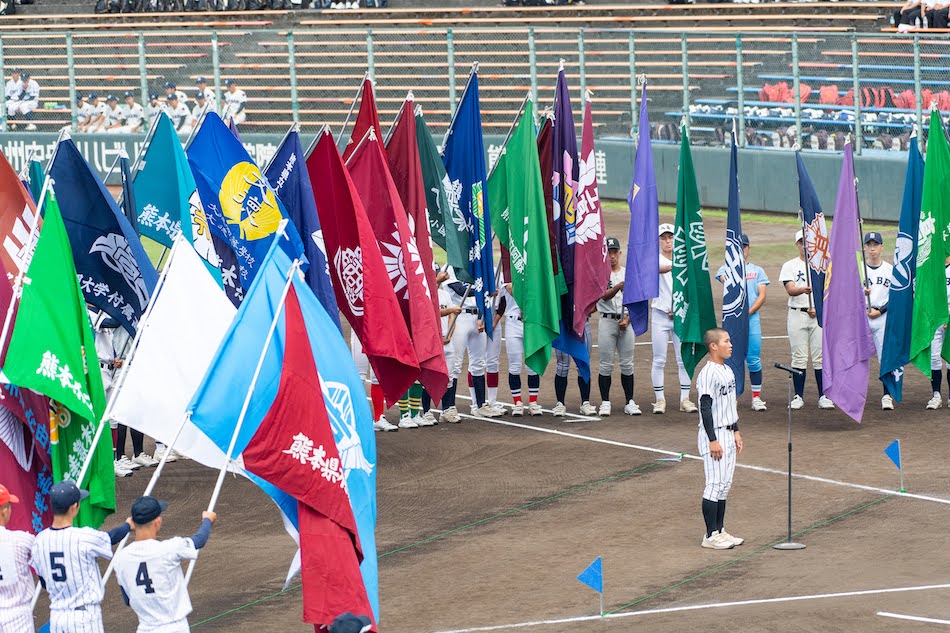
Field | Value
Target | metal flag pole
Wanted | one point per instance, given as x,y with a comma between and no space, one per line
392,128
316,139
472,73
294,127
247,401
801,215
864,260
122,154
369,135
511,131
789,544
901,469
25,170
346,121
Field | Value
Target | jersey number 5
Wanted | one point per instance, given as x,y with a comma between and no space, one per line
142,579
56,567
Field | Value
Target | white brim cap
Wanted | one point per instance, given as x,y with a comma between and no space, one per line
667,228
799,235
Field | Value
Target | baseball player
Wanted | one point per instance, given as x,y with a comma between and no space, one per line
115,116
514,349
376,392
234,102
202,107
446,309
469,336
561,370
804,333
877,287
64,558
97,114
16,580
492,359
936,360
661,330
24,100
719,439
614,336
211,99
84,112
154,107
134,114
757,283
149,571
12,87
179,114
172,89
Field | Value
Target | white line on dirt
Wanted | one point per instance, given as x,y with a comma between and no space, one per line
915,618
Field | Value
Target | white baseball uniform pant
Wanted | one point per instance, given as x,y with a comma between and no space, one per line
877,331
936,361
72,621
611,342
718,472
493,348
15,107
804,337
514,346
564,359
661,331
17,620
467,338
361,360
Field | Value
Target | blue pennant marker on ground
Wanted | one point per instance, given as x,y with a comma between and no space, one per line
893,451
593,577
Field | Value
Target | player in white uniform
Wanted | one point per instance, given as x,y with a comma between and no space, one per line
202,107
64,558
936,359
149,571
361,360
134,114
719,440
154,107
234,102
211,99
469,336
12,87
84,112
24,101
661,330
97,114
172,89
615,337
179,114
804,333
16,580
115,115
449,411
878,289
514,349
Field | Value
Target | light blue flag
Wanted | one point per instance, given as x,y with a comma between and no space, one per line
893,451
593,576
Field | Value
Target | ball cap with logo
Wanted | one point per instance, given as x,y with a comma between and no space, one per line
613,244
349,623
873,236
7,497
799,235
64,494
667,228
147,509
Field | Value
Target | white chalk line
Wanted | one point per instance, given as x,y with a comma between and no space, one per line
913,618
698,607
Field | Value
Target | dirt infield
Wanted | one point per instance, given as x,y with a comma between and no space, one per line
486,523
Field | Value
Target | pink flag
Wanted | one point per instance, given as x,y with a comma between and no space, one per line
591,268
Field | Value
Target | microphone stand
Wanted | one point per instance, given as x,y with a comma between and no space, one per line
789,544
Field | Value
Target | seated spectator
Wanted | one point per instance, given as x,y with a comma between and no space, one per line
210,97
97,116
201,108
13,85
153,108
234,101
134,113
83,111
24,102
179,114
938,16
170,87
115,116
906,13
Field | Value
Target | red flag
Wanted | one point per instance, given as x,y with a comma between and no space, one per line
545,138
25,467
370,173
366,118
363,291
591,267
294,449
406,170
16,218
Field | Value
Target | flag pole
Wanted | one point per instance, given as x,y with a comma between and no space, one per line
370,134
901,469
511,131
465,296
409,97
24,172
359,92
194,130
247,400
313,144
801,214
294,127
138,156
122,154
864,260
455,115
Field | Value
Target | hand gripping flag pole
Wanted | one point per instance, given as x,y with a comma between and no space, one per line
789,544
295,266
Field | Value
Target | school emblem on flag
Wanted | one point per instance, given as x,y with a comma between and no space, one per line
349,266
247,201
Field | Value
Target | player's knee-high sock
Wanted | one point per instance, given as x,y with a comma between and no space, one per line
415,399
534,386
627,382
684,392
404,404
448,400
138,442
118,449
426,401
514,384
710,508
471,387
491,380
818,381
604,383
560,387
935,378
379,402
799,381
478,389
755,377
720,513
584,386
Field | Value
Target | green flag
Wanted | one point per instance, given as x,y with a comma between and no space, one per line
437,184
693,311
516,194
37,178
53,351
930,299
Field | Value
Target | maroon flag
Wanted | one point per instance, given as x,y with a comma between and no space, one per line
591,268
16,218
366,118
363,291
294,449
545,138
370,174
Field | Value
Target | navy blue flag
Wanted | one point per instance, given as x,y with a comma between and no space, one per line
735,297
464,158
221,239
895,352
816,241
642,278
287,174
128,195
114,272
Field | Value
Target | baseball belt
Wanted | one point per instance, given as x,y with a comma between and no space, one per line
801,309
470,310
611,315
731,427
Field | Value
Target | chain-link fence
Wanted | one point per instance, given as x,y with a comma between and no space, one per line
778,90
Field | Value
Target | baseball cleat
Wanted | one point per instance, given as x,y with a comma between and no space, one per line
559,410
144,459
497,408
659,407
128,464
486,411
631,408
887,403
383,424
517,410
824,402
160,452
120,471
535,409
474,410
450,415
405,422
797,403
687,406
729,537
716,541
604,410
422,420
758,404
588,409
428,415
936,402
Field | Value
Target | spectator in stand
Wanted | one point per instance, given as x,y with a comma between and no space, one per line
115,116
13,85
938,16
179,114
906,13
134,113
211,99
97,116
234,102
202,107
83,112
153,108
170,88
24,101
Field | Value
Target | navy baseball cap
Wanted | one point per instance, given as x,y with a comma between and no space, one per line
64,494
613,244
152,96
172,97
147,509
199,95
127,95
349,623
873,236
744,239
80,98
228,82
24,75
14,71
201,80
170,84
111,98
92,96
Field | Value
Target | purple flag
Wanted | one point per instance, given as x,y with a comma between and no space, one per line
846,336
565,186
642,279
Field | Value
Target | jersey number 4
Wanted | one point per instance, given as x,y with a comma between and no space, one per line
142,579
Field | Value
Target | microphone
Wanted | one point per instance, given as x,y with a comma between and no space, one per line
791,370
